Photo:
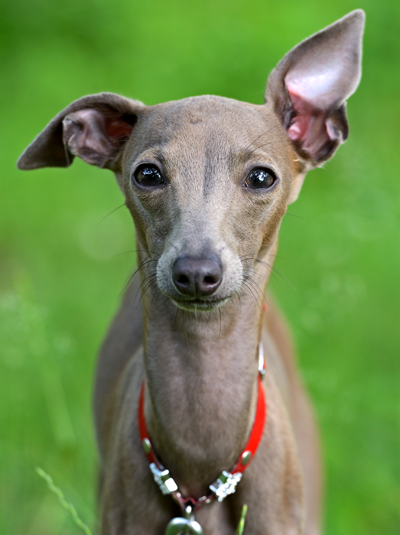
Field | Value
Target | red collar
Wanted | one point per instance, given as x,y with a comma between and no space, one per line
227,481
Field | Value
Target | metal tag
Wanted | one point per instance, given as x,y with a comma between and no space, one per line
183,525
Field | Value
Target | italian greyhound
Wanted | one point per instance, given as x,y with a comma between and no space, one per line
179,389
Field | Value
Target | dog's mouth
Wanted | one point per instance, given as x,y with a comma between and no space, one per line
199,305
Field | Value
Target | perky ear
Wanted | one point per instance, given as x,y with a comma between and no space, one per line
95,128
309,87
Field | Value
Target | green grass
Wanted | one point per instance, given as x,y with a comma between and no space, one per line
61,272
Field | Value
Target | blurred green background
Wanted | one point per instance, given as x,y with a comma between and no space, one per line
62,271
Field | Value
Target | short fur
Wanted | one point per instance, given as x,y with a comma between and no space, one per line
198,356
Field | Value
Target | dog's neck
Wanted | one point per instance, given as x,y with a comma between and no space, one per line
201,372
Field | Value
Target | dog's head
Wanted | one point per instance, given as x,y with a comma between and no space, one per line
208,179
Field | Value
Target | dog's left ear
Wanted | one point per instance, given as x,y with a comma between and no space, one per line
309,87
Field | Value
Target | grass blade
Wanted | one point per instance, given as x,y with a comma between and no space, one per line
61,498
240,527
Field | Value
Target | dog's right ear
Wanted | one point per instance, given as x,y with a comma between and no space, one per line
95,128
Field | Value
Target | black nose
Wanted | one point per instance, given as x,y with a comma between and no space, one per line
197,277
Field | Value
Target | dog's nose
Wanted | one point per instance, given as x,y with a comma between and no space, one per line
197,277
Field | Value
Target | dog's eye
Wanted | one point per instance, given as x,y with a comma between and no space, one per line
260,179
148,176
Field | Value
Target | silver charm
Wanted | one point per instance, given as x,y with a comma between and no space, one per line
186,525
225,485
164,480
183,525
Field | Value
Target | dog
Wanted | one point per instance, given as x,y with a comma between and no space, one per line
198,405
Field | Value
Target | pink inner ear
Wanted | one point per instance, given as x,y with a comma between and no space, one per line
310,125
95,136
118,129
299,128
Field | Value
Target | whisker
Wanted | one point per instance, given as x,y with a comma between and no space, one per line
257,138
138,251
130,278
261,135
271,268
148,283
296,216
250,290
145,285
256,289
238,297
263,145
250,279
112,211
